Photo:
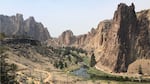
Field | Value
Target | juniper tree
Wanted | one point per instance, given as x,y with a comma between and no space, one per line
93,61
140,70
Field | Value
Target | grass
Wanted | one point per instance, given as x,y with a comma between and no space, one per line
86,60
100,75
97,72
71,68
131,83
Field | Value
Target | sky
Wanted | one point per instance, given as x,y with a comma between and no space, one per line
60,15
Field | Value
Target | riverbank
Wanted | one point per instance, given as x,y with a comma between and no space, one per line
92,74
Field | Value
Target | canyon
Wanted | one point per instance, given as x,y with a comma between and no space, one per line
116,43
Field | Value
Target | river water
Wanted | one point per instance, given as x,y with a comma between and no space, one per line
82,72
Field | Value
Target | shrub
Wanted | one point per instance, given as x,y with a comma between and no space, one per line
140,70
93,61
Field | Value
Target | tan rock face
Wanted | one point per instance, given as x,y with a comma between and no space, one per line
127,39
16,25
118,42
92,40
143,35
66,38
134,67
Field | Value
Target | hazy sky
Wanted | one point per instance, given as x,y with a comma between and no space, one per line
59,15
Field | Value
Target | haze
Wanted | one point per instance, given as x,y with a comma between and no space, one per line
59,15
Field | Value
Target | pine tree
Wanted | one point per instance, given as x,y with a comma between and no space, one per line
69,58
66,65
93,61
61,65
56,65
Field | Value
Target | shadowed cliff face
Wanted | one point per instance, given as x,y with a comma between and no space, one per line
127,40
122,36
16,25
117,42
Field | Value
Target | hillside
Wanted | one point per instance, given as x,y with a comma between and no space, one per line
35,62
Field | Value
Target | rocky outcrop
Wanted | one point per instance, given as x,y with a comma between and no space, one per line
17,26
127,39
92,40
118,42
66,38
119,46
143,34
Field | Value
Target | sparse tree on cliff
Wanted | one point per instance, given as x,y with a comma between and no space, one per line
93,61
140,70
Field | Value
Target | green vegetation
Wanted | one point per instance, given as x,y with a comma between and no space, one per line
93,72
60,65
129,82
69,59
93,61
98,72
86,60
100,75
67,56
78,50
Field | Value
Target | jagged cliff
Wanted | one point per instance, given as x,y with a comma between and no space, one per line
16,25
117,42
119,47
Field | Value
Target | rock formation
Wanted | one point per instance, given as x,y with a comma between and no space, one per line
16,25
120,42
66,37
117,42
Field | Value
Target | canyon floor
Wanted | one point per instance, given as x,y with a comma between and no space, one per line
36,68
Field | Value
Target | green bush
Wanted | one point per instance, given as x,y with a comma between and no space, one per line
93,60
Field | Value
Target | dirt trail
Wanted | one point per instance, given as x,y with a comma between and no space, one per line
25,68
49,77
